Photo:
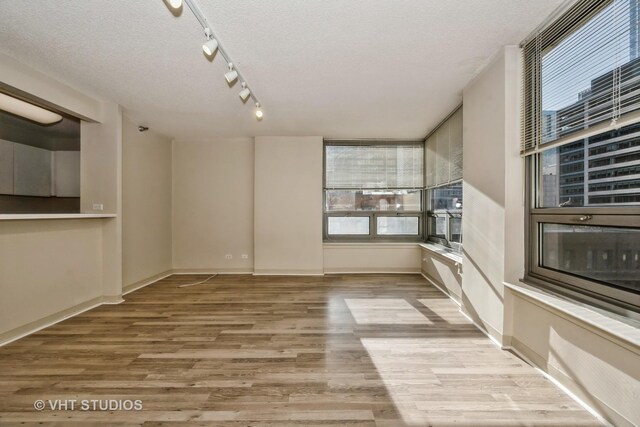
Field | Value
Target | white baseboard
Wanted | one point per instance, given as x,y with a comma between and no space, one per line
145,282
182,271
37,325
372,271
277,272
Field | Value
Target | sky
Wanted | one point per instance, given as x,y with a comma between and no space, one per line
593,50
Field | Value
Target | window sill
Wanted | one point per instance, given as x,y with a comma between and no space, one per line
442,252
608,325
369,245
20,217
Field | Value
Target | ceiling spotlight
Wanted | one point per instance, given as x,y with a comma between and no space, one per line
27,110
245,92
231,75
175,4
211,45
258,111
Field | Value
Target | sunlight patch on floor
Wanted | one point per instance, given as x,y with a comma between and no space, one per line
385,311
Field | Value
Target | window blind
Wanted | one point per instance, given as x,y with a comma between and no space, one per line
581,74
376,165
444,152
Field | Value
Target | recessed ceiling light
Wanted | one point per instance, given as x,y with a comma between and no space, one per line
27,110
258,111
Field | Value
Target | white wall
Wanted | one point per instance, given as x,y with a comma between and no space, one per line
489,198
47,267
601,369
444,272
213,204
146,204
371,258
288,205
101,183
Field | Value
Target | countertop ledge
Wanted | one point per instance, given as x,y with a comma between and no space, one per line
20,217
439,250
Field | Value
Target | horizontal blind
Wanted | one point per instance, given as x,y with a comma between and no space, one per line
455,150
444,152
581,73
393,165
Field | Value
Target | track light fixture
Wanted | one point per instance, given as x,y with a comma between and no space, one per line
231,75
213,45
245,92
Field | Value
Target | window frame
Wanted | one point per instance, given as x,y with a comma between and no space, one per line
592,291
373,236
448,214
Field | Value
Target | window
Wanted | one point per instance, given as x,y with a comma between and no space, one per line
373,191
444,182
581,138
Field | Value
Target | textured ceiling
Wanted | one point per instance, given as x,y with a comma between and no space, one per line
336,68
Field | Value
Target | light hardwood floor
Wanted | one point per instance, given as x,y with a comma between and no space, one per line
352,350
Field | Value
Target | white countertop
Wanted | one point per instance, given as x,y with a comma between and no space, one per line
14,217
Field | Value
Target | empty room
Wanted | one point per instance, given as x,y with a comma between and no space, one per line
365,213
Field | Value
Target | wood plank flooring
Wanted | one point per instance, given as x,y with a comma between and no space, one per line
341,350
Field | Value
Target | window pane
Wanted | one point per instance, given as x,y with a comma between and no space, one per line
373,200
608,254
448,197
603,170
579,73
350,225
438,227
455,230
398,225
374,166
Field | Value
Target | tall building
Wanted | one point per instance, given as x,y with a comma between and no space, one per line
603,169
634,29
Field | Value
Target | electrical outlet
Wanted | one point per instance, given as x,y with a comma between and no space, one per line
228,256
244,256
98,206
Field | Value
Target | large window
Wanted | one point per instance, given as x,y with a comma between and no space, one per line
444,182
373,191
581,137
